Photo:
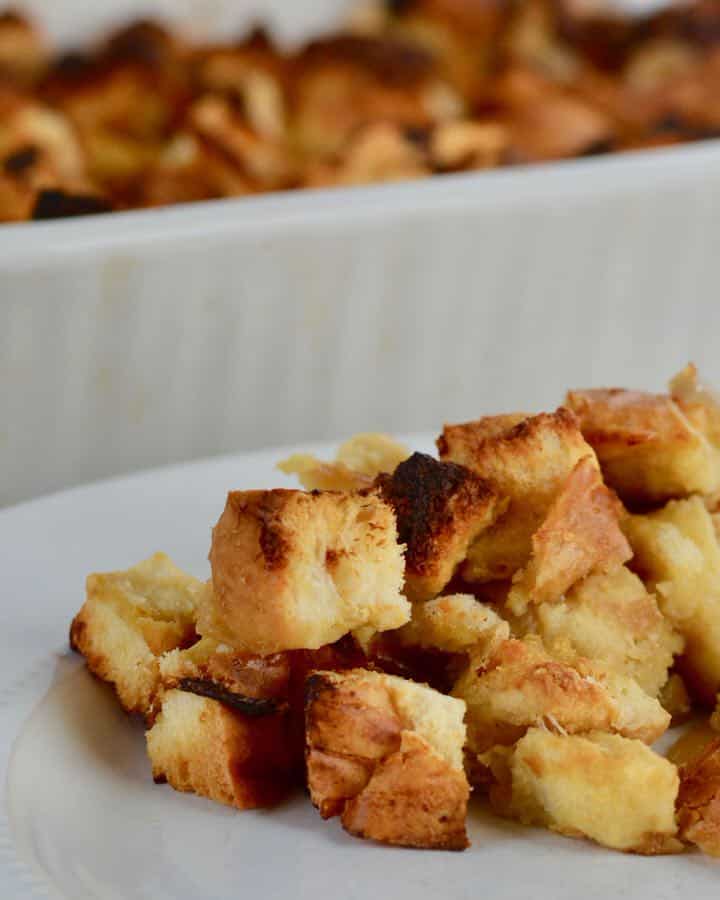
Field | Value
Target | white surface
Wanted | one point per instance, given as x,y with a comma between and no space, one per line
80,807
142,338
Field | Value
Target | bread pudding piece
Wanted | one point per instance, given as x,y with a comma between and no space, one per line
23,52
441,508
250,684
39,151
299,570
601,786
454,623
210,748
677,553
580,534
698,803
433,647
377,153
520,685
346,82
524,459
648,448
265,160
129,619
611,619
358,462
698,401
544,120
385,754
231,726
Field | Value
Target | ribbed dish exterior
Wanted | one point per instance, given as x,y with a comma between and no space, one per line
134,339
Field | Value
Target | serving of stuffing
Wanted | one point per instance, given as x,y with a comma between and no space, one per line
406,89
515,622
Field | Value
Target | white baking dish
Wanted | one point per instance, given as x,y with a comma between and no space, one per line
137,338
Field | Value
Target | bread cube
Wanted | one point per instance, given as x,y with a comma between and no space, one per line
455,623
358,462
699,402
649,450
206,747
611,619
298,570
524,459
440,508
129,619
520,685
580,534
249,684
698,802
677,553
600,786
385,754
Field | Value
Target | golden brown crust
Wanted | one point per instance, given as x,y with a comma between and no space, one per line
358,462
520,685
385,755
391,810
128,620
648,449
580,534
601,786
610,618
698,802
297,570
440,508
201,746
524,459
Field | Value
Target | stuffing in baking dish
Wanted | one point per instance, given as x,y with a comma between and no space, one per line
409,88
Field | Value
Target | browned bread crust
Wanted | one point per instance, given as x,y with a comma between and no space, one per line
580,534
386,756
525,460
299,570
648,448
698,802
129,619
206,747
440,507
520,685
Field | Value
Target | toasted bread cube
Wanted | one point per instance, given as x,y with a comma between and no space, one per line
649,450
385,754
297,570
440,508
23,54
205,747
250,684
580,534
455,623
698,803
611,619
526,460
600,786
520,685
677,553
699,402
358,462
129,619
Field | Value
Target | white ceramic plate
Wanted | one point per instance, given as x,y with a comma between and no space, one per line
82,818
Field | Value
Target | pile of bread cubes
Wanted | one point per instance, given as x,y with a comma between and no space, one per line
522,617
